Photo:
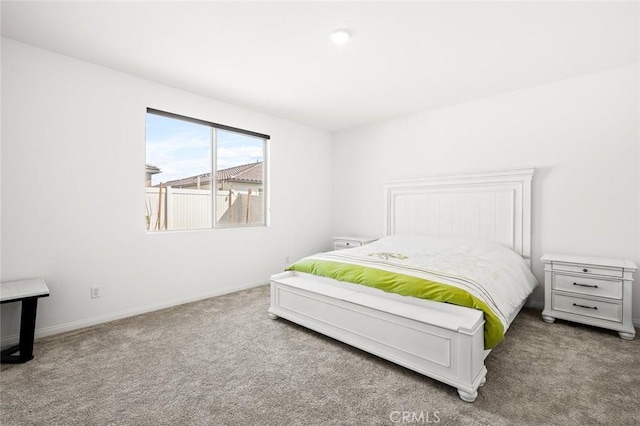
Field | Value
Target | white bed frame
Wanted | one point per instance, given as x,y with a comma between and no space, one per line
441,341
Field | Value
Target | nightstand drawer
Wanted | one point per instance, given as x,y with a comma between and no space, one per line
587,285
588,269
338,245
586,307
345,242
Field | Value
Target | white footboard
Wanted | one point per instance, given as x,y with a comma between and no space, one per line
441,341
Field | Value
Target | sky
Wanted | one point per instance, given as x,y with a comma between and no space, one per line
182,149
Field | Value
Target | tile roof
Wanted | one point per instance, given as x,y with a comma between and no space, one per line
247,173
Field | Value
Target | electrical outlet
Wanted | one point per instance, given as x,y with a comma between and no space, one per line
286,260
96,292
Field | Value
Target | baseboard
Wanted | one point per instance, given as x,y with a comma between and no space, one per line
536,304
75,325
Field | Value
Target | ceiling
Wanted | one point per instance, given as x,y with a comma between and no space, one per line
276,57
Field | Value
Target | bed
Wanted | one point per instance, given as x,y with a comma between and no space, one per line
444,341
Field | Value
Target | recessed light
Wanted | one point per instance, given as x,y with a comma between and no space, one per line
340,36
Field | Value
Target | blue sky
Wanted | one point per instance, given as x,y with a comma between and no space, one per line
181,149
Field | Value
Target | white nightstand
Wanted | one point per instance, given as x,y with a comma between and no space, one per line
589,290
346,242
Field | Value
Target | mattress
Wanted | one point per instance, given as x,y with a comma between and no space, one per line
471,273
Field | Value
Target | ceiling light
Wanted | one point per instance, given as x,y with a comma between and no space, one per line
340,36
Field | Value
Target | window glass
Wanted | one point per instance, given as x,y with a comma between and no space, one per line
181,190
240,177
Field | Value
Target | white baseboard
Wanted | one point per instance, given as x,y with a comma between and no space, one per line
75,325
536,304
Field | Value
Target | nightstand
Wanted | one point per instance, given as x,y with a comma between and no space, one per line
346,242
594,291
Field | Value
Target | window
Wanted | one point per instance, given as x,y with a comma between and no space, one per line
194,168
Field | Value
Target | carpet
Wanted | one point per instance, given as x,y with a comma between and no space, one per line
222,361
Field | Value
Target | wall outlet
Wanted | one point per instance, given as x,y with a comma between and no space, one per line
286,260
96,292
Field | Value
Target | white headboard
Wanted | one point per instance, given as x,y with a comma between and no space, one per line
494,206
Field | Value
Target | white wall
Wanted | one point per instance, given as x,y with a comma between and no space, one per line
581,134
73,155
69,127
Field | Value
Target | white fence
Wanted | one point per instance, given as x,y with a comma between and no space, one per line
191,208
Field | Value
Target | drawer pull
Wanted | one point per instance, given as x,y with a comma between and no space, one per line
586,285
587,307
585,270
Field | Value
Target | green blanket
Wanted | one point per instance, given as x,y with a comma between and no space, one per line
406,285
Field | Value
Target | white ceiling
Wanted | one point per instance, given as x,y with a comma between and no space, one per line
277,57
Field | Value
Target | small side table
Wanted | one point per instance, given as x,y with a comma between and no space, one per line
28,292
588,290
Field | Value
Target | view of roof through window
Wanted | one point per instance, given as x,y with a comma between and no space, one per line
182,150
180,173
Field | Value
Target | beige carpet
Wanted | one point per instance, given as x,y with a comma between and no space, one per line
221,361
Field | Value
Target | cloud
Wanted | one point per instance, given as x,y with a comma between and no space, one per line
178,156
186,151
229,157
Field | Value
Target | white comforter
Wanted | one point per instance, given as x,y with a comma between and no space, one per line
489,271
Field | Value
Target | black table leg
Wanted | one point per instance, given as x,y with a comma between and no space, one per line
27,334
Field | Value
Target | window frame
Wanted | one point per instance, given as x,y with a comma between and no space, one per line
214,170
